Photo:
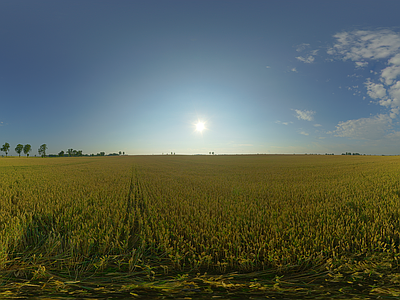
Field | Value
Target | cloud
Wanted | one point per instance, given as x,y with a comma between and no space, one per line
394,135
360,45
395,60
294,70
394,112
394,93
268,67
372,128
284,123
302,47
375,90
304,133
388,97
309,59
361,64
317,125
390,73
314,52
306,115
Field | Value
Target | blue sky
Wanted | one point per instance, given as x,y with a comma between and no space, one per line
263,76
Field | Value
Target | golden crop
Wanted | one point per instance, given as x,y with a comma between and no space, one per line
216,213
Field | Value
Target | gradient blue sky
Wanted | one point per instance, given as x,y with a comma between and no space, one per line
264,76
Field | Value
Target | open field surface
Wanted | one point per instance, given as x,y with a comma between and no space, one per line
200,226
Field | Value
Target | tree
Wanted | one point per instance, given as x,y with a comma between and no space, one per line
70,152
61,153
27,149
5,148
120,152
19,149
42,150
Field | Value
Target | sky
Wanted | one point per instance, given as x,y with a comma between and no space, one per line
262,76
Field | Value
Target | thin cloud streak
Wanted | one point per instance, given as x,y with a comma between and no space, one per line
306,115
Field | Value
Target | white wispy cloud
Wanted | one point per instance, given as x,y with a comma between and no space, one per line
302,47
372,128
309,59
309,56
394,112
360,45
284,123
317,125
394,92
304,133
390,73
361,64
393,136
363,45
306,115
294,70
375,90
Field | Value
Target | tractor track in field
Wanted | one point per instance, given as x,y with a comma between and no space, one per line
136,199
136,206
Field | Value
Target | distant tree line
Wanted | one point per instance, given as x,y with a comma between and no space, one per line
21,148
42,151
74,153
349,153
70,152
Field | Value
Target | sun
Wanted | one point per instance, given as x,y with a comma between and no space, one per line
200,126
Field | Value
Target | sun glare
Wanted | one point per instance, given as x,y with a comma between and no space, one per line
200,126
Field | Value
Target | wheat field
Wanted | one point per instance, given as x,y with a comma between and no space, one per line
72,218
